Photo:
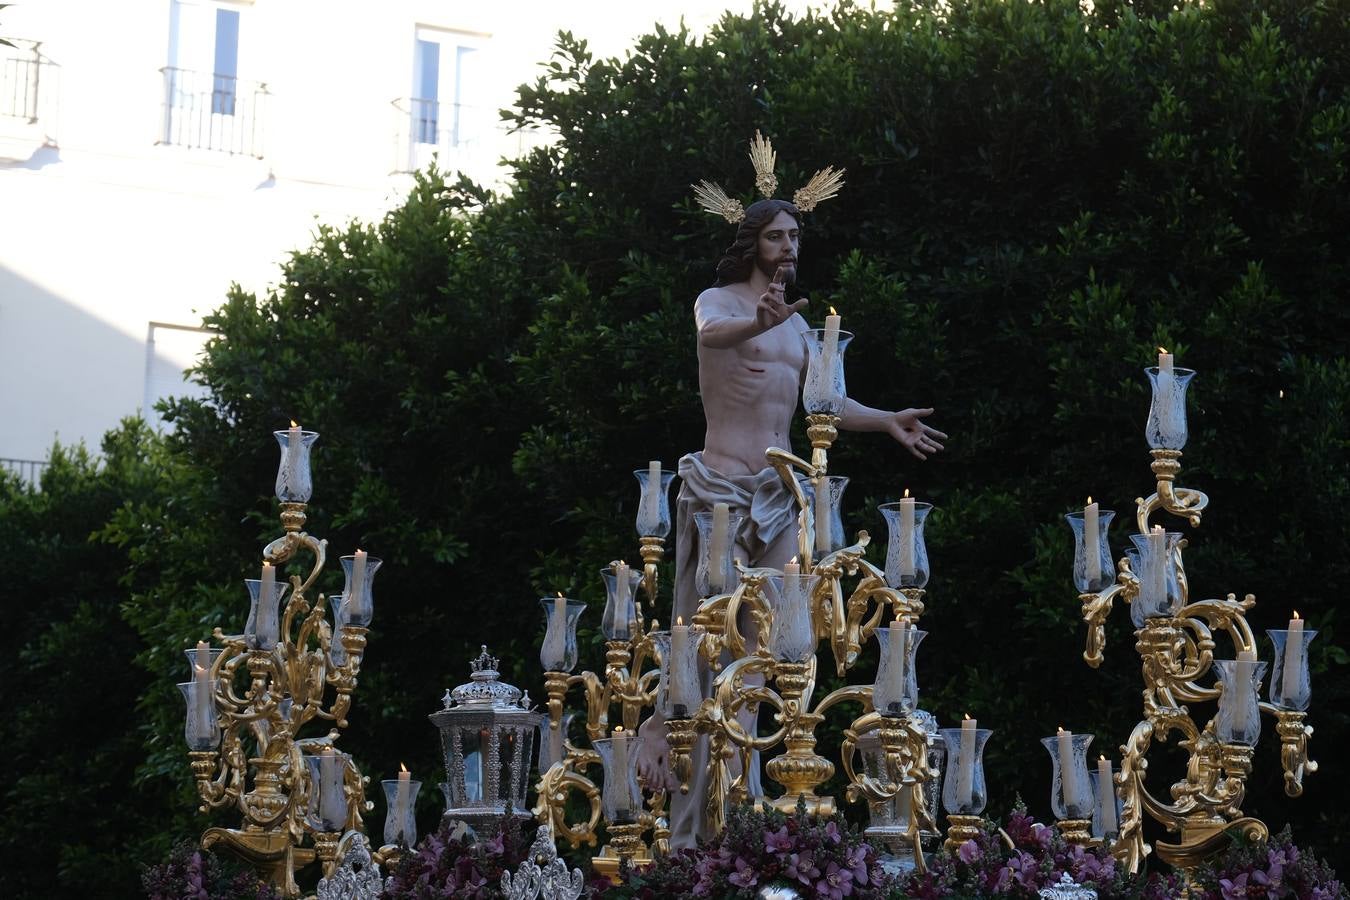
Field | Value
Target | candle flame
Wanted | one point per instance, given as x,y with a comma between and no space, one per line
294,424
198,669
1295,614
906,492
1157,529
560,595
1282,393
1162,349
402,767
967,715
832,312
1089,503
679,620
1059,729
618,728
1101,759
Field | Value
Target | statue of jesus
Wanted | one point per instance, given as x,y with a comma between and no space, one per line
751,365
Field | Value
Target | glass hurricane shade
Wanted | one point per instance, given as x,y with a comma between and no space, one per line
294,483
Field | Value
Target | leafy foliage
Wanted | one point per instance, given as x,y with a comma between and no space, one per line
1038,195
193,874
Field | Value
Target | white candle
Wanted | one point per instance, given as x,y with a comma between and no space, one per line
357,598
965,766
1166,378
266,622
293,440
792,567
829,349
895,651
1157,545
401,797
623,623
1066,770
1293,660
201,670
203,659
555,636
1092,561
907,535
679,676
823,515
717,552
654,488
620,745
1106,795
1242,691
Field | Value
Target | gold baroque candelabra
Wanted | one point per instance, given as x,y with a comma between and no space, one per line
1175,638
250,698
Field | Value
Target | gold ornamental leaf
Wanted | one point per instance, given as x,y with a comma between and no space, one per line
823,185
763,158
712,198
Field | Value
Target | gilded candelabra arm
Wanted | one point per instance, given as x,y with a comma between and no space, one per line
597,693
284,548
719,615
783,462
1179,501
1294,737
652,550
829,617
216,779
551,807
1130,847
1096,608
730,693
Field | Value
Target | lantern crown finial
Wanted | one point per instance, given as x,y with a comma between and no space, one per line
485,664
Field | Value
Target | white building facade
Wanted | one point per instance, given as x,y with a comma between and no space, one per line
154,152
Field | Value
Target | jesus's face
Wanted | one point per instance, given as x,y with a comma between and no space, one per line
776,247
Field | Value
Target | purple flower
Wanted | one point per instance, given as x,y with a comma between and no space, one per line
968,852
837,883
1234,888
801,867
744,876
832,832
1024,869
778,841
857,863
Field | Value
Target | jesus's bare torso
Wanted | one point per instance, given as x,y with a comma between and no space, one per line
750,389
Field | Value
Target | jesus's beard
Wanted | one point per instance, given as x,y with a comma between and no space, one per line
770,269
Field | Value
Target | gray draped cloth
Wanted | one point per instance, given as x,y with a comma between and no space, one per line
768,511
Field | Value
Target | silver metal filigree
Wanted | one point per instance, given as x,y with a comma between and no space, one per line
1068,889
357,877
542,874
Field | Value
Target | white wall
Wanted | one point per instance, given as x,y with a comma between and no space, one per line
104,230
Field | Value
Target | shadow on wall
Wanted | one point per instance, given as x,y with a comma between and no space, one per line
64,373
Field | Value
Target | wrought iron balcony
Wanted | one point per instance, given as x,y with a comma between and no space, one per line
206,111
26,77
29,470
469,138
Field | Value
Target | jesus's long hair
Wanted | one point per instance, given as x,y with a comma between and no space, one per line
739,260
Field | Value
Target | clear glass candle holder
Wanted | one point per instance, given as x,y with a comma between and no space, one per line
201,729
792,635
891,816
1239,719
681,689
400,802
552,742
1107,807
653,516
621,797
327,797
824,392
1087,578
1166,426
896,691
263,628
212,654
716,575
337,654
619,620
294,483
1290,681
558,653
906,560
359,608
1159,589
827,520
1070,789
963,788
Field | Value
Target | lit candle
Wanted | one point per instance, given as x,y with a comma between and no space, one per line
792,567
1106,795
679,676
907,535
401,797
621,791
717,553
203,659
823,515
555,635
293,457
201,669
829,349
653,488
1092,560
965,767
357,597
1157,546
1293,660
1066,770
1166,379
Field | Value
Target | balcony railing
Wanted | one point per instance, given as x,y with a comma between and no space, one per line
25,75
213,112
469,138
29,470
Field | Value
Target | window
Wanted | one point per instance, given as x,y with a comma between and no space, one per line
206,104
446,108
169,351
225,72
